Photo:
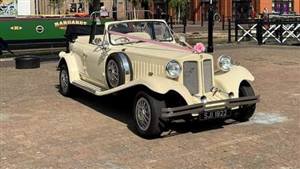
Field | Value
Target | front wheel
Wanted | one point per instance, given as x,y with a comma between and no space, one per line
245,112
115,74
147,112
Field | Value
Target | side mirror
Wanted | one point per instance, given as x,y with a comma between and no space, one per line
97,41
104,44
182,39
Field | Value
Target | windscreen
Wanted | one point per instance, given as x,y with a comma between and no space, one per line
134,32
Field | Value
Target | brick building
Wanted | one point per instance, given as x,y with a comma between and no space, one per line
75,6
242,8
198,9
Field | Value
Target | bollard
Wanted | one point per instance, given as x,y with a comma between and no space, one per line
229,30
281,33
184,24
194,17
202,19
259,31
171,22
114,13
223,22
236,30
167,18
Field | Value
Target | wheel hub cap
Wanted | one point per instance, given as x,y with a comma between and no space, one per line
143,113
113,73
64,78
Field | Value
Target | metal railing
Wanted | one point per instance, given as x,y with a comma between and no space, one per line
279,30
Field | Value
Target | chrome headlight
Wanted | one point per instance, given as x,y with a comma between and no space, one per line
225,63
173,69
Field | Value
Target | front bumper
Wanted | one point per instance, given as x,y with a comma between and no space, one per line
198,109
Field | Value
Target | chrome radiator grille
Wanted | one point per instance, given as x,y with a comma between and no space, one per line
191,76
207,75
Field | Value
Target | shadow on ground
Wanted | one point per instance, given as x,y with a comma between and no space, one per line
119,107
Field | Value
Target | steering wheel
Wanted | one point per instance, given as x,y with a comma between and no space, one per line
122,39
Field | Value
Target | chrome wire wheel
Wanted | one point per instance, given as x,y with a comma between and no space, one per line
143,113
113,73
64,81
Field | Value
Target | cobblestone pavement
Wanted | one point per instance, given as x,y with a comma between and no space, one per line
39,128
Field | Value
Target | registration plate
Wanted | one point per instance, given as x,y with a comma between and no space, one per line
209,115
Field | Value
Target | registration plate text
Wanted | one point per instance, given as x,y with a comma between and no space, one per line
209,115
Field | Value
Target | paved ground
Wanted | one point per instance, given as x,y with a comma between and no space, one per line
39,128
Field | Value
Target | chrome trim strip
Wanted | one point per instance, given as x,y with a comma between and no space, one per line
199,108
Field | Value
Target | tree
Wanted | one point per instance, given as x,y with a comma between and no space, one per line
180,6
135,4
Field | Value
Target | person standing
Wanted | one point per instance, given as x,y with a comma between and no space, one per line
265,13
103,12
266,18
114,12
158,12
252,13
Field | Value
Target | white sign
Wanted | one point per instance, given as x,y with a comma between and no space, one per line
24,7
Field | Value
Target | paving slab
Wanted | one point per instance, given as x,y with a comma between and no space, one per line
39,128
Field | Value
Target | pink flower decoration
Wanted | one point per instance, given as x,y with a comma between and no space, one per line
199,48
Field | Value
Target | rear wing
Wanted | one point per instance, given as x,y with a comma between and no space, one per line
73,31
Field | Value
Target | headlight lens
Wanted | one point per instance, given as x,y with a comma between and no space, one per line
173,69
225,63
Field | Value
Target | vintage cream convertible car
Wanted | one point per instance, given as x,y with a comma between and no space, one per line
170,81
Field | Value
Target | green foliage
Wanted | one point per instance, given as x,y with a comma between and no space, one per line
135,2
54,1
178,3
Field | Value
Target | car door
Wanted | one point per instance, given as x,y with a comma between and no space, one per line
95,64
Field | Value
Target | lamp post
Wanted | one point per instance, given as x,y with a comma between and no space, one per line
210,47
166,7
114,10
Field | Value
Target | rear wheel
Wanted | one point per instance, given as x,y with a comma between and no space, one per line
65,87
147,112
245,112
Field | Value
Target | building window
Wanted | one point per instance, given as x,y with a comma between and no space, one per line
73,7
282,6
77,7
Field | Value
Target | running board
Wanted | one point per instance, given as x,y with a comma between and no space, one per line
87,87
